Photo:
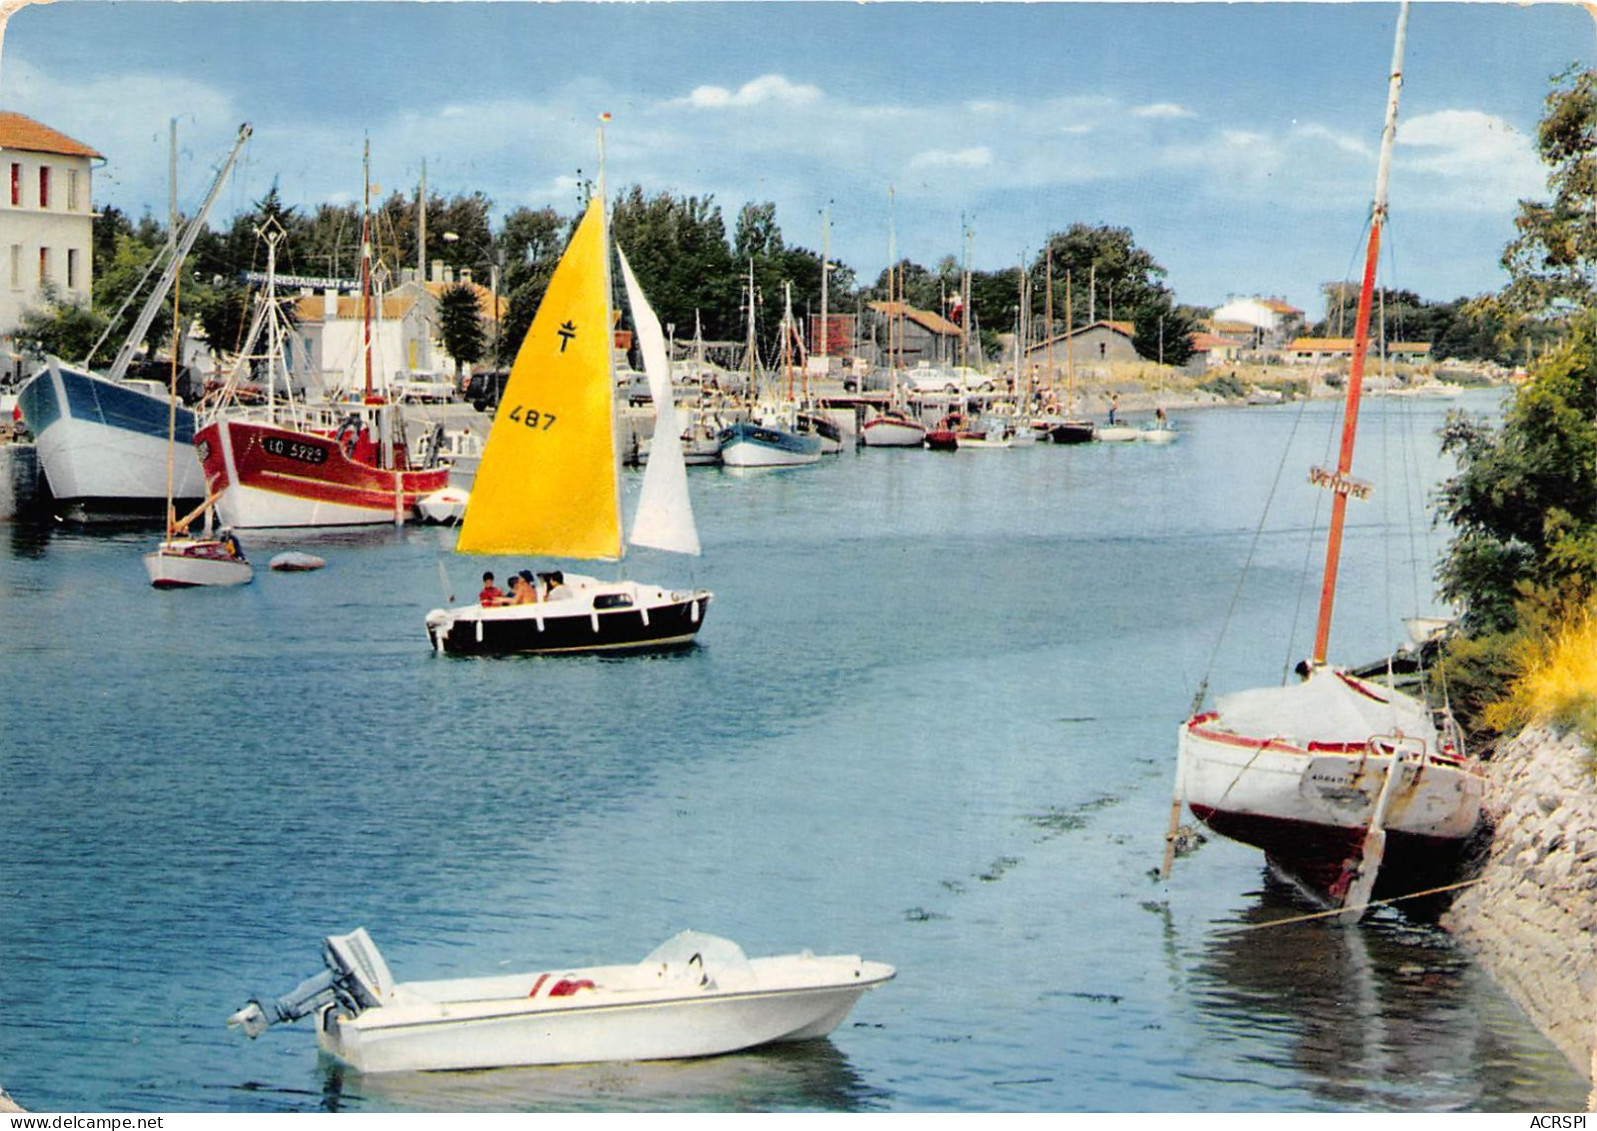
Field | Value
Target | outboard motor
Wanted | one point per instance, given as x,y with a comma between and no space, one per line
356,978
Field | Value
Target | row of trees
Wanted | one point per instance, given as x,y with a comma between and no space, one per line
695,270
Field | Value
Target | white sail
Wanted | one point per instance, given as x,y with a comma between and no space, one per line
664,518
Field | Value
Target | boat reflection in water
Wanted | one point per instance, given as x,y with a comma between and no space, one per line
1385,1018
807,1076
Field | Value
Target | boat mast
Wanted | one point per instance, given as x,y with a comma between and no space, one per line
826,269
366,268
609,332
1070,356
1048,312
1340,482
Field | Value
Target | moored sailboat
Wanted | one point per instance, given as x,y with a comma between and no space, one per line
180,561
1348,786
549,483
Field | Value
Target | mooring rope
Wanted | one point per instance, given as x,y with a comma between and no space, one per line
1311,916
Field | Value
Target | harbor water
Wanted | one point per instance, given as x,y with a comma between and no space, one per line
931,720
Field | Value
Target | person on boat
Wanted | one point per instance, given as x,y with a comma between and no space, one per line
491,594
1114,407
230,544
554,586
1158,415
522,590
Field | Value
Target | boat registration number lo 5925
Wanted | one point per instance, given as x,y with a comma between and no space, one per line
294,449
532,418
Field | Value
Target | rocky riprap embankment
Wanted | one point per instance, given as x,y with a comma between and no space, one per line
1531,919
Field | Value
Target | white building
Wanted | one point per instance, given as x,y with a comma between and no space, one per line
1275,320
46,218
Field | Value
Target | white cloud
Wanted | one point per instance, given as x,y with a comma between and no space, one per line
1162,110
1347,143
975,157
1466,160
756,92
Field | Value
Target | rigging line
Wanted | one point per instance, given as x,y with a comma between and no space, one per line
1253,546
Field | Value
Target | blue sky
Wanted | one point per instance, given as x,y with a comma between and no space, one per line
1236,141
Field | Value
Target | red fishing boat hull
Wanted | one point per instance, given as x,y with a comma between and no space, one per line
267,476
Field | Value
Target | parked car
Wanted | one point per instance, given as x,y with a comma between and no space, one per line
484,388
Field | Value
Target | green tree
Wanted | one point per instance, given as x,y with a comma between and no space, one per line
678,247
460,326
1524,503
1552,262
63,328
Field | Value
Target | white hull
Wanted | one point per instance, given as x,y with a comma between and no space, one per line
1329,788
745,453
444,507
1159,435
84,459
1117,434
115,450
696,995
886,433
250,508
188,564
596,1025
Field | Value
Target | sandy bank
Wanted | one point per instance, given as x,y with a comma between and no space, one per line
1532,918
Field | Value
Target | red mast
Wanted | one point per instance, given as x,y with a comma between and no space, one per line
1340,482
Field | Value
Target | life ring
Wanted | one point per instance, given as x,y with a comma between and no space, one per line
345,437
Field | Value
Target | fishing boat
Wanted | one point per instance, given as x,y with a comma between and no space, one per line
770,436
549,483
181,561
695,995
1350,787
102,438
279,461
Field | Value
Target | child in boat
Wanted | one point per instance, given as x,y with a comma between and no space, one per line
491,594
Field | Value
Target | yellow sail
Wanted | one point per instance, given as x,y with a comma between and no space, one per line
547,481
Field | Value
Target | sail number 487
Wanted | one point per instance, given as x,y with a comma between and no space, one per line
532,418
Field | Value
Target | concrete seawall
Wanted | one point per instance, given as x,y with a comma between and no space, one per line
1531,920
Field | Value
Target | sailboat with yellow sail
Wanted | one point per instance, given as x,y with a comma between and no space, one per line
549,482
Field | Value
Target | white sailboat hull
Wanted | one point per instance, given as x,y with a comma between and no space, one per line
195,563
1117,434
885,432
1308,805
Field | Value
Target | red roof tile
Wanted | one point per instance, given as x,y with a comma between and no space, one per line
20,132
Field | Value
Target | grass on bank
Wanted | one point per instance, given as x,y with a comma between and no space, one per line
1555,681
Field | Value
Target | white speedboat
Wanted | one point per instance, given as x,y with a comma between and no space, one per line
696,995
444,507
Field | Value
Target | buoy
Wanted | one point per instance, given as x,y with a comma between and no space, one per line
293,561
